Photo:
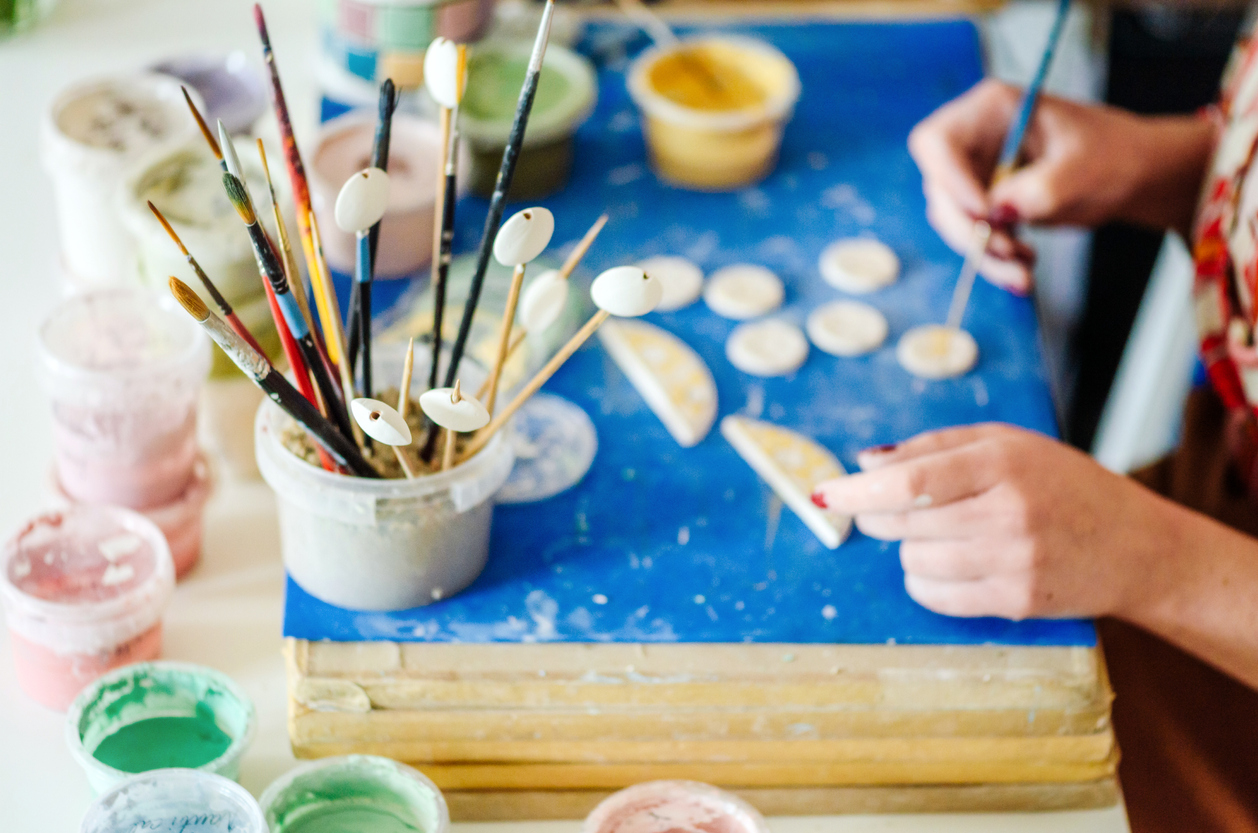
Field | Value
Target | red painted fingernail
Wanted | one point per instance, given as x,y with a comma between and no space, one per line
819,500
1004,215
882,449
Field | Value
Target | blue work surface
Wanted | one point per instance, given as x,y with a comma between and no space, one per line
663,544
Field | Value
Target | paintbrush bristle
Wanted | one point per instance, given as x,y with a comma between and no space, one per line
205,128
169,229
239,198
188,299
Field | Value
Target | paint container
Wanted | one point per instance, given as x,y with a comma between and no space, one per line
566,94
714,109
155,715
235,91
382,544
84,591
343,148
123,368
175,801
362,793
90,135
674,807
225,425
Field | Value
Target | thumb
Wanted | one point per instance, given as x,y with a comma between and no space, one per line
1027,195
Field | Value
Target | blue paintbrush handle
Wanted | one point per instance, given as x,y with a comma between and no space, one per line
1013,139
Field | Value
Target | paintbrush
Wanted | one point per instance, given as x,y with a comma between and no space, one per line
1009,156
498,203
219,301
282,393
274,273
205,128
307,223
379,159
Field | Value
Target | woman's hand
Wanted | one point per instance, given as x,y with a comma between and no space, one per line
998,521
1082,165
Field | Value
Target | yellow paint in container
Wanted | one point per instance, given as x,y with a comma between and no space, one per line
714,109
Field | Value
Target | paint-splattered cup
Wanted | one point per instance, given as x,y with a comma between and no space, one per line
84,590
155,715
674,805
175,801
354,792
714,109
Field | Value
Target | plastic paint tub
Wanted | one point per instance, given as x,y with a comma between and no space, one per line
84,591
234,90
88,138
382,544
175,801
714,109
566,94
673,806
227,410
362,793
156,715
342,148
123,369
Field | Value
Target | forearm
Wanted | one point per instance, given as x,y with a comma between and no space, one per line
1198,589
1167,163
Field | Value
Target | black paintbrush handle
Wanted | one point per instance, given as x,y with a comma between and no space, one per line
364,315
327,387
443,272
342,450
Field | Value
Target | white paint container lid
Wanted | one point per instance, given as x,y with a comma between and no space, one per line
117,562
162,800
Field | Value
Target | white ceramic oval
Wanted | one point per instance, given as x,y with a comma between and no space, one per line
467,414
363,200
524,236
543,301
626,291
380,421
441,70
681,279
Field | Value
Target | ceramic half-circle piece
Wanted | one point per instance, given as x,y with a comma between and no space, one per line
626,291
380,421
362,201
524,236
543,301
452,410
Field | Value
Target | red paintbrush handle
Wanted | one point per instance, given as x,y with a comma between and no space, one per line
241,330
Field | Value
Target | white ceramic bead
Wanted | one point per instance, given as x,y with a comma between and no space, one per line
441,63
467,414
524,236
380,421
363,200
626,291
543,301
681,279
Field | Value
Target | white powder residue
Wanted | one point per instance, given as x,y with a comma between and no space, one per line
683,536
829,612
117,574
543,610
625,174
119,545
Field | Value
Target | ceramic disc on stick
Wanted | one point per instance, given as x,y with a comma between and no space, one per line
671,377
767,348
743,291
380,421
934,351
859,265
793,466
682,280
846,328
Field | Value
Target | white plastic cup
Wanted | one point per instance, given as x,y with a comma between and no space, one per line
146,690
87,162
320,790
175,801
84,591
674,805
375,544
124,369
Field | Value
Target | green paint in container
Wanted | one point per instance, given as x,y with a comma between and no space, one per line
566,94
157,715
355,794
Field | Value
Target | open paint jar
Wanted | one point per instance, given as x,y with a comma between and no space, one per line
89,138
566,94
156,715
123,369
671,807
342,149
714,109
386,544
84,591
175,801
355,792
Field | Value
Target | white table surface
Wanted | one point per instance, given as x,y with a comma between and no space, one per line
227,614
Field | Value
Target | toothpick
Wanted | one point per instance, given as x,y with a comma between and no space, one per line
404,390
583,246
969,270
401,458
504,335
447,456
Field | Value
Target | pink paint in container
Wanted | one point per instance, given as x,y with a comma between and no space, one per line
674,807
123,369
84,591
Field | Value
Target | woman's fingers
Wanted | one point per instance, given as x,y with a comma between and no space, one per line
954,521
982,597
929,442
1008,261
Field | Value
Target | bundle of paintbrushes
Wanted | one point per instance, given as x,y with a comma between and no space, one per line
338,421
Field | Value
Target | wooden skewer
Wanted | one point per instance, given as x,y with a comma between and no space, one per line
543,376
447,456
583,246
504,336
404,390
401,458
